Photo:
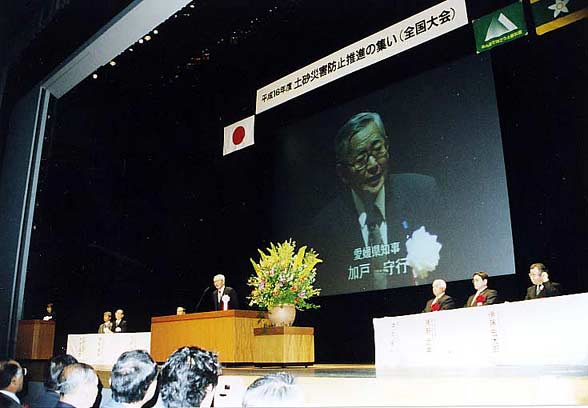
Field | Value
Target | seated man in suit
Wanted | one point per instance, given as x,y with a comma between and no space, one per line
224,294
78,386
133,380
483,295
120,325
50,397
441,301
11,382
106,327
188,378
542,286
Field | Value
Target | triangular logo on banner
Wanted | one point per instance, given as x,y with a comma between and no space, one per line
499,26
238,135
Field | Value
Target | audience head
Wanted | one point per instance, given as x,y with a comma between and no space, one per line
181,310
56,365
133,377
119,314
107,316
439,287
78,385
480,280
273,390
538,273
219,281
11,376
187,376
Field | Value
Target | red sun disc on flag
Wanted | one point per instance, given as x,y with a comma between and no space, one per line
238,135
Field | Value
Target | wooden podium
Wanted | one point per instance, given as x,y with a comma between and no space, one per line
284,346
229,333
35,339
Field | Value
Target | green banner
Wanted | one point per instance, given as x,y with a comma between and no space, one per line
551,14
499,27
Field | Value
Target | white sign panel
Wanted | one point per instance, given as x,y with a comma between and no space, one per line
415,30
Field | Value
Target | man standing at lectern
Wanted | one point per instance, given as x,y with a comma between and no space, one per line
223,294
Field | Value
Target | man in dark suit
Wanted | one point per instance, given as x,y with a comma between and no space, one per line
224,294
11,382
119,325
542,286
361,235
483,295
50,397
441,301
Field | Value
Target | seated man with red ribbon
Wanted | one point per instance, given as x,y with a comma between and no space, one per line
441,301
483,295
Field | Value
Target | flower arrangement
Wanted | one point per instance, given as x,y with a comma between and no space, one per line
284,276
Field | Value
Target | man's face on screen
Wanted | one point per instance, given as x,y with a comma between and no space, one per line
366,168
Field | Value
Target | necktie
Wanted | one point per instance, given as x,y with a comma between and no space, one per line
538,289
373,221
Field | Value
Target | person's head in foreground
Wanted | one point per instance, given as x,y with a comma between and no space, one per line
273,390
78,385
11,376
56,366
133,378
188,376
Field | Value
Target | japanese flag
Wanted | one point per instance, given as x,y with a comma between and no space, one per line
238,135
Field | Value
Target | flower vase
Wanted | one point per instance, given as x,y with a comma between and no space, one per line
282,315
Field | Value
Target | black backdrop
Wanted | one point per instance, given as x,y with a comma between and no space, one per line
137,209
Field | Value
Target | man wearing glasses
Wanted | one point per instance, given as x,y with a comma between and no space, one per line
364,232
11,382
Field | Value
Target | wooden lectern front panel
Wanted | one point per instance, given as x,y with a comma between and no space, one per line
229,333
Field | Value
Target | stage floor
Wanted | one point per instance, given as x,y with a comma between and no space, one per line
361,385
358,385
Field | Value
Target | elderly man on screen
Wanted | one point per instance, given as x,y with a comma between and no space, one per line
363,232
542,286
441,301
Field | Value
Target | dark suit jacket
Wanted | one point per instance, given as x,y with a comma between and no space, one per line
446,302
549,289
7,402
491,298
122,325
48,399
335,232
233,303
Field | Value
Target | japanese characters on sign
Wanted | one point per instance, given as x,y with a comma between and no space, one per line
424,26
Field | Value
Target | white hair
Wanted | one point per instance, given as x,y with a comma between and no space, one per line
219,276
439,283
273,390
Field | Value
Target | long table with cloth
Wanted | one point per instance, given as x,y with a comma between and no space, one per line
104,349
541,332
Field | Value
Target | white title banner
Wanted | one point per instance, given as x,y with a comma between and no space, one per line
415,30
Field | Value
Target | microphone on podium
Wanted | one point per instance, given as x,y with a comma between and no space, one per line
201,298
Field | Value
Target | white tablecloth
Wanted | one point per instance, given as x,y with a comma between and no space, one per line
549,331
104,349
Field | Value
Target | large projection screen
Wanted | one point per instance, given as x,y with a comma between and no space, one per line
427,200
